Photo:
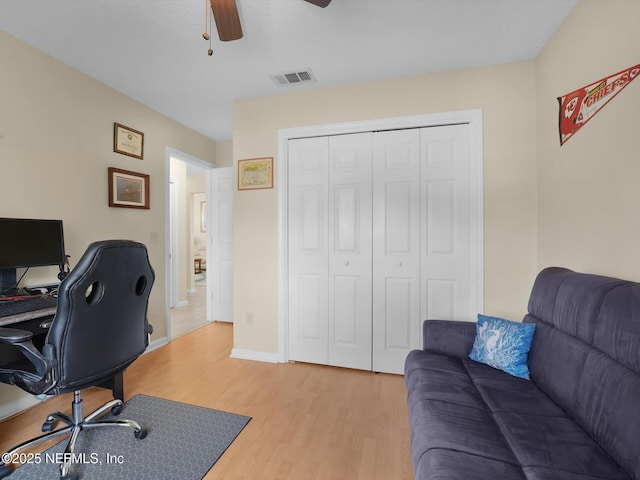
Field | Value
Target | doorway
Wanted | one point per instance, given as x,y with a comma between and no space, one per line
187,244
199,261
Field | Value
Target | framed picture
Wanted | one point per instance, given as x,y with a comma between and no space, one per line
255,173
128,189
128,141
203,216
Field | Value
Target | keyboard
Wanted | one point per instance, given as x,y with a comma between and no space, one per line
26,304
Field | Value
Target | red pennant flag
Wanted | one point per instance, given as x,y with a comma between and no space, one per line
580,106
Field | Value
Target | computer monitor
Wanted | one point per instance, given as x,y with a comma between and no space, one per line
28,243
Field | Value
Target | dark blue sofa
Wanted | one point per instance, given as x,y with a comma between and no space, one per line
577,419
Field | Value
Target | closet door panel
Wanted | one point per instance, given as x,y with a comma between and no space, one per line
396,248
308,250
350,251
447,234
310,311
399,322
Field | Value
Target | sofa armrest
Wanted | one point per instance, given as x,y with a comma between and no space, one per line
449,337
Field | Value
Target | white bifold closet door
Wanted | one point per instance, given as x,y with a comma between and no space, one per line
330,250
422,237
396,247
380,238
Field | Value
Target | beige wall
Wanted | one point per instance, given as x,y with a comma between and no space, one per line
589,189
505,93
56,143
224,153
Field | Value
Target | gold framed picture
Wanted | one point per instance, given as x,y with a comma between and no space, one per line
128,189
255,173
128,141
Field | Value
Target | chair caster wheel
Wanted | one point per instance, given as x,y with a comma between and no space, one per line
140,434
48,425
116,410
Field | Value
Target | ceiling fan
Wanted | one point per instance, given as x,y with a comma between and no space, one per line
225,13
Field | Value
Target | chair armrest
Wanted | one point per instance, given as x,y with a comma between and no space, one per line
35,383
449,337
12,336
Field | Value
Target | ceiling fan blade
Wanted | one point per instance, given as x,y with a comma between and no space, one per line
225,13
319,3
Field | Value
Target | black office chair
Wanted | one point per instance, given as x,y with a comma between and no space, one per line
100,327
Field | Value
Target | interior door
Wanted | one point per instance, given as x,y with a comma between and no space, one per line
447,237
350,243
330,250
308,256
220,253
396,247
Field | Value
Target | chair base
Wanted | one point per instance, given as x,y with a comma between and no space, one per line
74,425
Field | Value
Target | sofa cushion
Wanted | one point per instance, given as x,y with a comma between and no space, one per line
585,355
570,301
557,444
441,378
617,332
472,421
505,393
607,407
439,464
503,344
447,412
545,473
538,431
555,351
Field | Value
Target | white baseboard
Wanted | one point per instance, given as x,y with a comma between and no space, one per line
20,404
254,355
160,342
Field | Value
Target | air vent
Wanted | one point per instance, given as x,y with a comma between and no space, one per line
294,78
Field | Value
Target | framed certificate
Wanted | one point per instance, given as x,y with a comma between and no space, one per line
128,141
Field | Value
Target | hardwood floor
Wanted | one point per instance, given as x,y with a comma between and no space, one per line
308,421
192,316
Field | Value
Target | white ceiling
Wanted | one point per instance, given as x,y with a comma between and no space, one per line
153,50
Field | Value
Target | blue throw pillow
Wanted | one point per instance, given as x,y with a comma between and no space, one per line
503,344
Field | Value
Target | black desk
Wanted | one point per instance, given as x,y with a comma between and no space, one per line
35,321
17,320
38,322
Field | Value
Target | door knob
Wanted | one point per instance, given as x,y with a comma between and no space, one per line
346,263
399,264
